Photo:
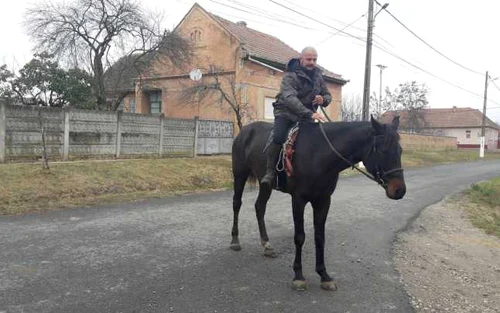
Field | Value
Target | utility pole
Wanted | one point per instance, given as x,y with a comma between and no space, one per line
483,126
483,130
368,63
381,67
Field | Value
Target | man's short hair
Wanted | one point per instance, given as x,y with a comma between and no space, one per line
308,49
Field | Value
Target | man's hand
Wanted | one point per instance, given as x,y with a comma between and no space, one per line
318,116
318,100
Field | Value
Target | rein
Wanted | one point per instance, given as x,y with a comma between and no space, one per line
379,179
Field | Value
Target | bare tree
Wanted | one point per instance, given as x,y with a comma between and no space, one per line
84,33
219,87
380,105
411,98
352,106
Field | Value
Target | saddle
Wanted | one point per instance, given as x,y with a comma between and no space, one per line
285,161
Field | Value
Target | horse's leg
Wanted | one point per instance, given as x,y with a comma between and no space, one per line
239,185
260,212
298,204
321,206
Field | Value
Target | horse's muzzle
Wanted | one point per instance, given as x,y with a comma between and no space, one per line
395,189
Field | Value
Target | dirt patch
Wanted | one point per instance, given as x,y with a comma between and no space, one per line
448,265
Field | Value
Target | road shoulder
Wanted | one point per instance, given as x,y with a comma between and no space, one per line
448,265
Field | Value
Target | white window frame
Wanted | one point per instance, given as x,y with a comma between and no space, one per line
268,108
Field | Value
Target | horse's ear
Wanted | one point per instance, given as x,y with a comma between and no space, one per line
376,126
395,122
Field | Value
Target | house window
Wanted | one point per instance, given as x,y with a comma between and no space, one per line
131,106
196,35
155,102
467,134
268,108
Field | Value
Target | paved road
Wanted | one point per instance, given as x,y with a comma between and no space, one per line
172,255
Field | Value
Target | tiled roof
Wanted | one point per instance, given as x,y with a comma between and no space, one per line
264,46
120,77
445,118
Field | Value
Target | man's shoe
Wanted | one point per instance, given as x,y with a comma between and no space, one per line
273,154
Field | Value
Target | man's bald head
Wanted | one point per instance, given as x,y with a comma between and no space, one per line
309,49
308,58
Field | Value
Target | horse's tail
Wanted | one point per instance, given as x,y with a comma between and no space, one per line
241,149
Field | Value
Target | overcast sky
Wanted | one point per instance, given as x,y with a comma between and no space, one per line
464,31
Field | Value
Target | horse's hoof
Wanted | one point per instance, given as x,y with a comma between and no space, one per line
235,247
270,253
328,285
299,285
269,250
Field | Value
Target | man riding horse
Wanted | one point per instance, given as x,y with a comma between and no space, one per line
302,91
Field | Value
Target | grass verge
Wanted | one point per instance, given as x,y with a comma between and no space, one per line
483,208
28,188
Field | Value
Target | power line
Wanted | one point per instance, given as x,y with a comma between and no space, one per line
320,14
433,75
260,11
338,32
427,44
386,51
269,17
260,15
317,21
350,35
496,86
362,29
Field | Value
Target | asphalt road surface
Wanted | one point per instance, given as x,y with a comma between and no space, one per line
173,255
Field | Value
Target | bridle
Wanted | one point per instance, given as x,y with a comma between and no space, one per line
379,175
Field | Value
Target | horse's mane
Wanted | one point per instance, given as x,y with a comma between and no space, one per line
391,136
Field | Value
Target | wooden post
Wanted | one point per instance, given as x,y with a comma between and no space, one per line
119,117
162,126
66,134
195,141
3,126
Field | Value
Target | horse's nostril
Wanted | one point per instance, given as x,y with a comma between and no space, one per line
400,192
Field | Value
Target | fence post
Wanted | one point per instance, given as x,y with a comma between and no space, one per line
66,134
3,126
162,126
119,118
195,141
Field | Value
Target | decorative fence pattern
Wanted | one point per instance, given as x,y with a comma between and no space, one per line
80,133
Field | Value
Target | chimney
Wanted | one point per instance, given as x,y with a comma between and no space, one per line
241,23
454,108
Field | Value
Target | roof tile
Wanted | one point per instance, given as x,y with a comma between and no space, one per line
445,118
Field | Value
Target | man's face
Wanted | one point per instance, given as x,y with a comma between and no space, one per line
308,60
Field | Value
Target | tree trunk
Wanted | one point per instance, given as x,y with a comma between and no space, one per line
99,89
45,155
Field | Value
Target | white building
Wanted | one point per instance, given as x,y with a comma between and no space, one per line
462,123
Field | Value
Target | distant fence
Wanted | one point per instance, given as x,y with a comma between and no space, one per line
73,133
413,142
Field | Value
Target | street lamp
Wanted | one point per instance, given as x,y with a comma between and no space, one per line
381,67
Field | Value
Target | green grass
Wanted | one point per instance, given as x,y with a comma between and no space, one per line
424,158
28,188
484,207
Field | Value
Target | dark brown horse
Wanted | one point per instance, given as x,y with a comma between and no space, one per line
322,151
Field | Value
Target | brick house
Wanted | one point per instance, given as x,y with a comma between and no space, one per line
462,123
254,60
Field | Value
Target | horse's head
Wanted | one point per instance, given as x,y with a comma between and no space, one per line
383,160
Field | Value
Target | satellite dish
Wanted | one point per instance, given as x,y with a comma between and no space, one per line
195,74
